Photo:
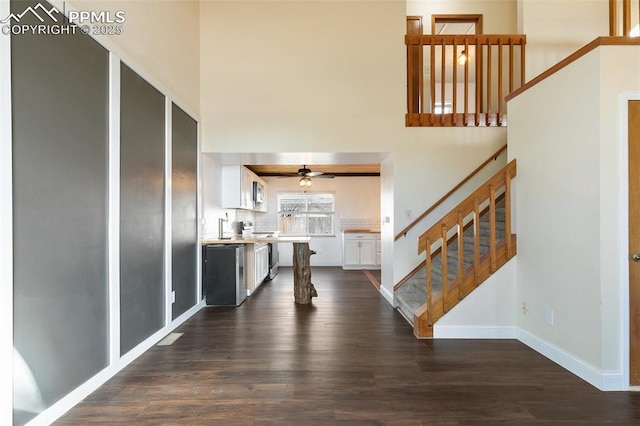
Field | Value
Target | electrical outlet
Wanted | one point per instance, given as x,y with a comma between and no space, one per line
525,308
548,316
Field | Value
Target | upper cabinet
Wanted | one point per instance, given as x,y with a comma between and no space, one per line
243,189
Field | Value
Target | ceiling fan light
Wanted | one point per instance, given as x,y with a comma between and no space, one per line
305,181
462,59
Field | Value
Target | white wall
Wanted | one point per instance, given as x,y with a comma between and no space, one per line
488,312
387,228
317,76
322,76
557,28
160,40
499,16
211,185
356,197
6,226
426,167
620,67
568,212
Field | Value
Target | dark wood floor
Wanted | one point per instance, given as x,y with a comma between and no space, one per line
347,359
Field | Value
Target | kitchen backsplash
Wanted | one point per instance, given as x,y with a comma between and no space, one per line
271,224
360,223
266,225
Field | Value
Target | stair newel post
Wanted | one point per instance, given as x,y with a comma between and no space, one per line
429,281
460,252
492,227
507,213
445,272
476,241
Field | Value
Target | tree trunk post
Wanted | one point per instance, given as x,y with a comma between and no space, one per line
303,289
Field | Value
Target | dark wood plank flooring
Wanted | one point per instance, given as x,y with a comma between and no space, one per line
347,359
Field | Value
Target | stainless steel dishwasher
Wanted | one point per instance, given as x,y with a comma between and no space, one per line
223,274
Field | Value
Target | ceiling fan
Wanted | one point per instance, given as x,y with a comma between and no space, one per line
306,174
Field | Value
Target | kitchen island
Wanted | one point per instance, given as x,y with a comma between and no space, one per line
303,289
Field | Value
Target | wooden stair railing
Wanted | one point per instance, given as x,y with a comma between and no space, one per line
452,226
494,67
621,9
453,190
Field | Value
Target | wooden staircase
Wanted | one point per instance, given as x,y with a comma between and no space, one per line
463,249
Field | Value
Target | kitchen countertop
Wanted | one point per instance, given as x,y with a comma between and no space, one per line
255,240
360,231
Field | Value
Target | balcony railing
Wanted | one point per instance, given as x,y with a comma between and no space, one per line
462,80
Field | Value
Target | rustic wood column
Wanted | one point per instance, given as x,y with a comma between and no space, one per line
303,289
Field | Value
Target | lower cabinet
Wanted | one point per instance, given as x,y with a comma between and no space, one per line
360,250
257,265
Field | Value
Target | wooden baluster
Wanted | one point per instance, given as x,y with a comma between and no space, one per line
613,18
476,241
460,253
466,83
445,272
492,227
510,65
409,77
421,79
522,62
487,119
429,279
432,86
626,17
500,98
443,79
507,214
455,84
478,82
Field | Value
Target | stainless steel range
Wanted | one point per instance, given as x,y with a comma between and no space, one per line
274,260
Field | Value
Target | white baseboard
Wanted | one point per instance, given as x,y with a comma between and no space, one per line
58,409
387,295
473,332
603,380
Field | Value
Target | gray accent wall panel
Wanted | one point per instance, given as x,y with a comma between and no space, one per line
142,217
184,229
60,143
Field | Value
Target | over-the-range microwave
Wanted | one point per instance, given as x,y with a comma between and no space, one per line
258,192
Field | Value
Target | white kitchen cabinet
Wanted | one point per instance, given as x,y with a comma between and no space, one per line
360,250
257,265
237,189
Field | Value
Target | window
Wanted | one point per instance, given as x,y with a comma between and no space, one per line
440,108
306,214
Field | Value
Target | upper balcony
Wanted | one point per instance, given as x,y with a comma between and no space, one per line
462,80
